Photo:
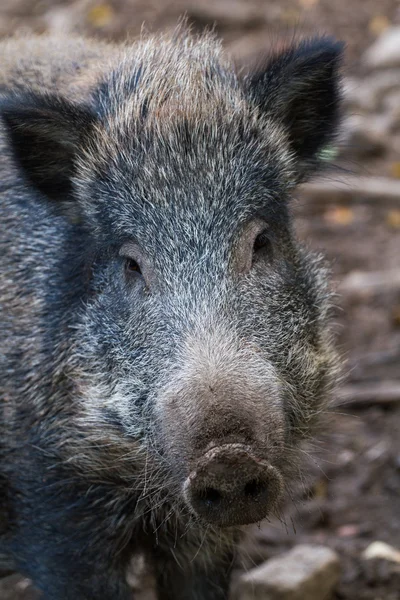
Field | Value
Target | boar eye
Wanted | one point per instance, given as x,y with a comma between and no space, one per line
262,246
134,263
132,267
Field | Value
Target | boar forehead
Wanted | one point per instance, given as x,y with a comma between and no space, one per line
176,127
208,183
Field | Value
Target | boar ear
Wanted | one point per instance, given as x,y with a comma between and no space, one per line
300,88
46,133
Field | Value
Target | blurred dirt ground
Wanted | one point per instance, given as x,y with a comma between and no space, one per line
351,496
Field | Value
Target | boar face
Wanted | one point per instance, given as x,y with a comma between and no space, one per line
200,354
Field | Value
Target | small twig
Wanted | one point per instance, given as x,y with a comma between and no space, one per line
352,187
361,282
384,393
385,357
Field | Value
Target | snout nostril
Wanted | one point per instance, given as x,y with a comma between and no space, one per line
210,496
254,488
230,486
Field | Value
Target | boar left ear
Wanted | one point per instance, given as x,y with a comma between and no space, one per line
46,133
300,89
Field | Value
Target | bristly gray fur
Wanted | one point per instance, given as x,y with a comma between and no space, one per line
114,383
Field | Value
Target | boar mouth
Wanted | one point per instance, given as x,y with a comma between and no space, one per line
230,486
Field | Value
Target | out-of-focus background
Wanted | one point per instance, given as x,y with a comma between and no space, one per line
351,499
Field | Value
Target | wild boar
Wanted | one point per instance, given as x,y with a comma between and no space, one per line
166,340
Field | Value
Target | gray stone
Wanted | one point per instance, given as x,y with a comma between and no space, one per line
305,573
385,52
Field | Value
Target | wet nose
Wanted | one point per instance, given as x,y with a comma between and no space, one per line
230,486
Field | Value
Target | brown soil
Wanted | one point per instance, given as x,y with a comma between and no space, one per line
352,494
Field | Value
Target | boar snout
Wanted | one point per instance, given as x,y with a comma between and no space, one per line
230,486
222,428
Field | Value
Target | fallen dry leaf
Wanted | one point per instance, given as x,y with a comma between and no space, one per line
290,16
100,15
339,216
320,489
395,169
393,218
378,24
308,3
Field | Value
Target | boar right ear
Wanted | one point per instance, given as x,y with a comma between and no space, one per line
46,133
299,88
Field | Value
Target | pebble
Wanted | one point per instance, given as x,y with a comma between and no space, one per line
307,572
382,550
385,52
